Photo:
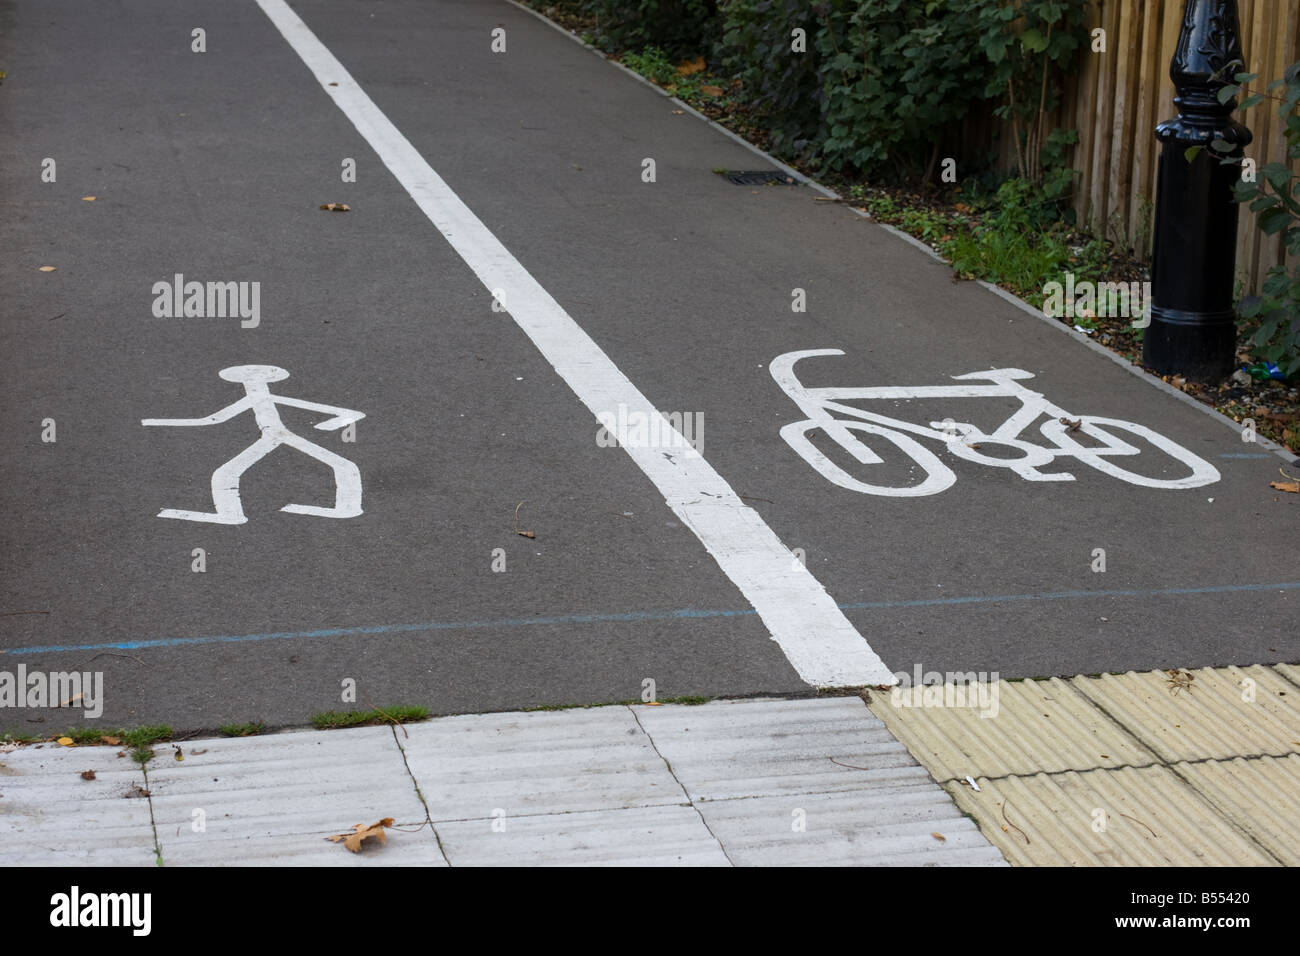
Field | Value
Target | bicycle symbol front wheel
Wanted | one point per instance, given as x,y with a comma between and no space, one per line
938,476
1099,429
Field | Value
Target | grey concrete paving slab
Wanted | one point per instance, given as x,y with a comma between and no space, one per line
599,786
877,826
50,815
255,801
511,764
730,749
636,836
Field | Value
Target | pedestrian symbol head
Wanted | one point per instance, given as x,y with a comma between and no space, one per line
253,373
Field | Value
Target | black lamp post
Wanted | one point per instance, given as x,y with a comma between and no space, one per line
1193,326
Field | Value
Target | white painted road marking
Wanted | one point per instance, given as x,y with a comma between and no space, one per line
823,405
259,400
818,640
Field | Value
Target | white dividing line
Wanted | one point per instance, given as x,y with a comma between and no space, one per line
816,637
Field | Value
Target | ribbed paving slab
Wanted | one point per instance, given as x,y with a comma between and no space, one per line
639,836
51,816
755,782
749,748
275,799
1261,796
876,825
811,782
1031,726
1221,712
1125,817
1161,768
475,767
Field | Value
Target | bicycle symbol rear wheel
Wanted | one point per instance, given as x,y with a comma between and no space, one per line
938,476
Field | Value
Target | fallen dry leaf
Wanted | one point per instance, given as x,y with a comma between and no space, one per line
362,832
687,67
71,700
1071,424
711,90
87,775
679,112
65,742
111,741
526,534
1291,486
195,753
337,207
48,268
136,791
940,837
87,198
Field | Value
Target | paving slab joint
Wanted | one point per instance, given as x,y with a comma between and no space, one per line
428,818
668,764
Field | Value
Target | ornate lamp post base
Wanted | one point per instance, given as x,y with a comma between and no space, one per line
1193,325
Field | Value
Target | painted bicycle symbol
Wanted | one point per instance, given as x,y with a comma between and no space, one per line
847,426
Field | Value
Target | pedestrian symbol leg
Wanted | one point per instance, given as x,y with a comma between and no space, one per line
347,481
225,487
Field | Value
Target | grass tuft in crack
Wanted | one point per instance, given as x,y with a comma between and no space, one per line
336,719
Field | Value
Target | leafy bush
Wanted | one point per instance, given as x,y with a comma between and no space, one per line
783,87
1273,198
681,28
1028,43
880,80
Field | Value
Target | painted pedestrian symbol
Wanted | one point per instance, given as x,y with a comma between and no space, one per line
260,401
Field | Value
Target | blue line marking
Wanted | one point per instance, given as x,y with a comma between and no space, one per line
628,617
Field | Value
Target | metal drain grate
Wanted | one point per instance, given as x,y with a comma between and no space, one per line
761,177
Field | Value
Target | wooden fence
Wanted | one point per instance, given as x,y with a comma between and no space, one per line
1118,97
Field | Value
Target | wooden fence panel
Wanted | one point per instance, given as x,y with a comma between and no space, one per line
1116,99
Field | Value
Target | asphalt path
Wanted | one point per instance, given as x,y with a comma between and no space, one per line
214,165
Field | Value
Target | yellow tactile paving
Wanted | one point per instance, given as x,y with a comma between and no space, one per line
1125,817
1131,769
1261,796
1037,726
1225,712
1290,671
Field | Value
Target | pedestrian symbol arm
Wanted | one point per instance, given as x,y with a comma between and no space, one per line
342,416
227,413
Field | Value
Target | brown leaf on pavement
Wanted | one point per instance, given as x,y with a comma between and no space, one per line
362,832
336,207
1291,486
526,534
87,775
